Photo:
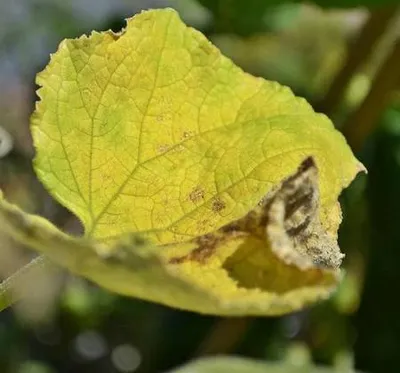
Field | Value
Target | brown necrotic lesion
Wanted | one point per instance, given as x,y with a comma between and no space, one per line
282,244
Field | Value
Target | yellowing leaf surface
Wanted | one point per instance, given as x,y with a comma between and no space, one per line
154,130
185,173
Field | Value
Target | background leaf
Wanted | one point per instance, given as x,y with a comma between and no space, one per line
241,365
253,16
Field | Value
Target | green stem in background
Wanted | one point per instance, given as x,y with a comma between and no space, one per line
224,336
365,119
359,51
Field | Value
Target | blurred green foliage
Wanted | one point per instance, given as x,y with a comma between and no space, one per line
252,16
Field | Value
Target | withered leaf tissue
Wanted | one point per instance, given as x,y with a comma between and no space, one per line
281,244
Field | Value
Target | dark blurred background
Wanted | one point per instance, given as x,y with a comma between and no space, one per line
344,57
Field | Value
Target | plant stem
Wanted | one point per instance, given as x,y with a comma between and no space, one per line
365,119
358,52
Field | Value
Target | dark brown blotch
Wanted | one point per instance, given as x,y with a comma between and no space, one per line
218,205
206,246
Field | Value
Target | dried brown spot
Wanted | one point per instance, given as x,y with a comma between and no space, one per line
206,247
218,205
294,227
196,195
201,254
231,227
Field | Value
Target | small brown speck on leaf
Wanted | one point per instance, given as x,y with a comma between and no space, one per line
196,195
218,205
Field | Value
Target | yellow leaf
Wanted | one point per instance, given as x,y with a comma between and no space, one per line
274,260
152,129
163,148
